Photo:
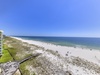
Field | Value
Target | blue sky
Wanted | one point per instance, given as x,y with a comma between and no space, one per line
78,18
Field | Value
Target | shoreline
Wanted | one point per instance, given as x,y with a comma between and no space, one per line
87,54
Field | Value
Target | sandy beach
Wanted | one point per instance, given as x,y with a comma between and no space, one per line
56,59
87,54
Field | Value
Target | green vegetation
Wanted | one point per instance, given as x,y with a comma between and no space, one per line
15,50
6,56
23,69
31,62
34,74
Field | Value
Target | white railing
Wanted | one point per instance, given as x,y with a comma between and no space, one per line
1,42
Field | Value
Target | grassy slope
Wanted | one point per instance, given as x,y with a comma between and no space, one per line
6,57
16,48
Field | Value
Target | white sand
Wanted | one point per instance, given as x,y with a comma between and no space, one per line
87,54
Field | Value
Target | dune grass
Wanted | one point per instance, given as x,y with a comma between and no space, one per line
6,57
18,52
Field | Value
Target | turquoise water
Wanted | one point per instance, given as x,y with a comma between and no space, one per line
93,43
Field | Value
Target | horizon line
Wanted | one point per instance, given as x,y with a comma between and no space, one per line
53,36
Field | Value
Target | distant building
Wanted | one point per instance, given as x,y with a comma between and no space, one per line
1,40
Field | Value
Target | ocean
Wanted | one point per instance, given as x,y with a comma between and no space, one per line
83,42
